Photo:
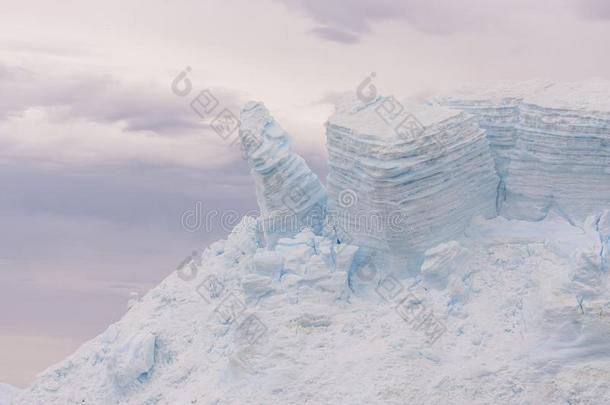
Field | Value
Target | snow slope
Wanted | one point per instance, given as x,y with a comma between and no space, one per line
7,392
509,329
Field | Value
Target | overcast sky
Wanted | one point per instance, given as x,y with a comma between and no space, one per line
99,158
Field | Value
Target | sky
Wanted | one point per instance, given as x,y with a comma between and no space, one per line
101,154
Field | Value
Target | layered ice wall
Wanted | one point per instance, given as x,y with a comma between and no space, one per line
550,142
496,108
289,194
404,178
562,155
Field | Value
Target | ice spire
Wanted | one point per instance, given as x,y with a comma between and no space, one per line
289,194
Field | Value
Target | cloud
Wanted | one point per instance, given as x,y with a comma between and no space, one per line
91,119
354,18
42,47
334,35
104,99
329,97
594,9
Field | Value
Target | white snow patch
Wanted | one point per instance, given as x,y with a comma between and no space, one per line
7,393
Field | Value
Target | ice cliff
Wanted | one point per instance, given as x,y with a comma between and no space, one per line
495,105
551,142
562,156
406,177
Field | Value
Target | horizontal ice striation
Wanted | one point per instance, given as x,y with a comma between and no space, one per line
289,194
495,104
401,183
562,155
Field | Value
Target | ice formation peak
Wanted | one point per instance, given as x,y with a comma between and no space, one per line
289,194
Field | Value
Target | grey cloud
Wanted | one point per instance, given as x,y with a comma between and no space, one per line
330,97
439,17
594,9
105,99
45,48
355,15
334,35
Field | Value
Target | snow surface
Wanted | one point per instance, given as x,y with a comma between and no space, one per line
367,119
591,96
492,310
7,392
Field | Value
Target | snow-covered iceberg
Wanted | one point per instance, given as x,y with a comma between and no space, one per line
495,310
406,177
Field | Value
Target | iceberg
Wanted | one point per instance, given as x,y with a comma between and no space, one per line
491,309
